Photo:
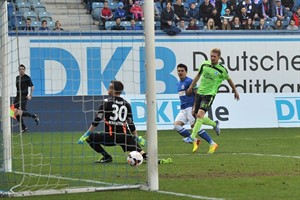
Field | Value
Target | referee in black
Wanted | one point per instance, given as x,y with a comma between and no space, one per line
23,82
119,129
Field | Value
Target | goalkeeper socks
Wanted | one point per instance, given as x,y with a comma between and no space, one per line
209,122
196,128
203,134
182,131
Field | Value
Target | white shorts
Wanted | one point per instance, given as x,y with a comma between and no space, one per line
185,116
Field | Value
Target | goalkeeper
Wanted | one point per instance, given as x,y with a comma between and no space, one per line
119,129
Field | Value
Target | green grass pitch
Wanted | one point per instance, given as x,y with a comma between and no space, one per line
249,164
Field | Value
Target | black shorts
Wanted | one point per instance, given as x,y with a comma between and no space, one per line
203,102
126,141
20,105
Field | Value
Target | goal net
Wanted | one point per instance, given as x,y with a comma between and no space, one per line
71,70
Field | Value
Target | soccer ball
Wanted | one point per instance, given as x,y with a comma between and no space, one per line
134,158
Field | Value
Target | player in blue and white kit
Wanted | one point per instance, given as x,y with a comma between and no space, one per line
186,113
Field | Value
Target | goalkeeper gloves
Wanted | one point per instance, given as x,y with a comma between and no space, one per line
141,141
84,137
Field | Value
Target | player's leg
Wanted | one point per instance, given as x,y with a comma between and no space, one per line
212,145
25,113
96,140
18,113
179,123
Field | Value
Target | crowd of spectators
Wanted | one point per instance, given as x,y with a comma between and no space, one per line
205,14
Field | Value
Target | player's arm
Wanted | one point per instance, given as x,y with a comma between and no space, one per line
194,82
30,93
99,116
236,94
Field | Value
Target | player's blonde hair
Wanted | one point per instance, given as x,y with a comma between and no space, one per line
217,51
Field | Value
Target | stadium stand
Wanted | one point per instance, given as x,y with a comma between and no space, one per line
71,14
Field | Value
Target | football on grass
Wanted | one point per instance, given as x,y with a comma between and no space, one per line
134,158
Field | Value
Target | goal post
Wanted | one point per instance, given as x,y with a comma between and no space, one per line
71,71
6,166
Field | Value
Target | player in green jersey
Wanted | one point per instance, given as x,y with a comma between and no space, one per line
212,74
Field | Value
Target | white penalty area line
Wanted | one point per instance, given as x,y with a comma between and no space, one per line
250,154
189,195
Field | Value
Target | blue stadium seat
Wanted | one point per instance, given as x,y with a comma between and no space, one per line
200,24
51,24
113,6
157,25
158,5
23,7
126,24
39,7
97,5
36,25
15,19
31,2
45,16
32,15
20,25
10,9
269,24
109,24
96,13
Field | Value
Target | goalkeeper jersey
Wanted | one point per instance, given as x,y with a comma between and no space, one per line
211,77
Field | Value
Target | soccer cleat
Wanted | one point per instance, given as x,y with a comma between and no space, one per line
213,148
196,144
84,137
107,159
24,130
217,128
141,141
165,161
36,119
188,140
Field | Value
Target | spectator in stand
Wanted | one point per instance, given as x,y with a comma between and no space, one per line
243,15
296,17
278,25
44,26
261,26
225,24
192,25
236,23
181,25
249,24
167,17
251,8
106,13
133,26
210,25
264,10
280,12
58,26
222,5
128,5
179,11
289,5
292,26
205,10
120,12
216,17
137,11
118,26
228,14
193,12
28,26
